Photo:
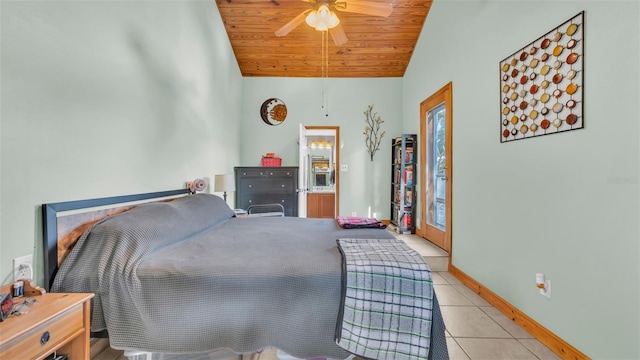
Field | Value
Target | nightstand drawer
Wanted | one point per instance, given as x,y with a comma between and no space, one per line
46,337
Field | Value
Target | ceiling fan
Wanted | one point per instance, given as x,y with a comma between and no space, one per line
322,17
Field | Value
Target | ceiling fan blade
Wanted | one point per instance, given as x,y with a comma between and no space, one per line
338,35
288,27
365,7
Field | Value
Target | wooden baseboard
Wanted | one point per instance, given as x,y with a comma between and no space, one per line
552,341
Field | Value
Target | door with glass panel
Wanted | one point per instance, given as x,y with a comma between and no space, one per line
435,198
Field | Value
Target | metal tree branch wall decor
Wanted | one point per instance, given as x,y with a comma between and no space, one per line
372,133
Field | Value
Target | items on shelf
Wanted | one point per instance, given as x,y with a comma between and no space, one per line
403,194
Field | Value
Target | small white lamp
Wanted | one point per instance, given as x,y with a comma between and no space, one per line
224,183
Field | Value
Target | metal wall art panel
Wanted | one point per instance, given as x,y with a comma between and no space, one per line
541,85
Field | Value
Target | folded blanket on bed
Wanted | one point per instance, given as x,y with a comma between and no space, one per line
353,222
388,300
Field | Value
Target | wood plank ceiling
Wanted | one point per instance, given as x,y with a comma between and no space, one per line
377,46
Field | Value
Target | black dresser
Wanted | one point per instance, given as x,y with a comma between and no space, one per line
267,185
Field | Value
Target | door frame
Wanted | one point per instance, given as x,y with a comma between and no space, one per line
302,187
443,95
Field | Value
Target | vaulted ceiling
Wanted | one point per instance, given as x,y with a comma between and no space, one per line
376,46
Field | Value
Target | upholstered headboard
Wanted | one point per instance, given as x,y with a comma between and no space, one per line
64,222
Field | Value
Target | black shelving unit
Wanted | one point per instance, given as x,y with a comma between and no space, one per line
404,174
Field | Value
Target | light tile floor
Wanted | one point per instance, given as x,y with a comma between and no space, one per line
475,329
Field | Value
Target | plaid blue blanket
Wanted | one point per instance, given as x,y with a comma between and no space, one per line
388,300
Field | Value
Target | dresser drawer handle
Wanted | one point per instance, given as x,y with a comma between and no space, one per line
250,185
45,338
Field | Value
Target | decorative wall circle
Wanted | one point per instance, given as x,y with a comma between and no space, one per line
273,111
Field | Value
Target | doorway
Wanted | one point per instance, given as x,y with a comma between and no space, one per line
436,178
318,194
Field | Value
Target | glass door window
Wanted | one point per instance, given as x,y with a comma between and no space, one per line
436,177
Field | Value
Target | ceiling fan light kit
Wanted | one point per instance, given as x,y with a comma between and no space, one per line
322,19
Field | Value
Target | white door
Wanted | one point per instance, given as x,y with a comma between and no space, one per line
302,173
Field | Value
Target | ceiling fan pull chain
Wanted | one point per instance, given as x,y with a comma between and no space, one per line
325,71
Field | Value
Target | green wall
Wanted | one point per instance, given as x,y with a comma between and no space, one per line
566,205
365,186
105,98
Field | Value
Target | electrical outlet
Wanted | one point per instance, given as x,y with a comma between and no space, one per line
23,267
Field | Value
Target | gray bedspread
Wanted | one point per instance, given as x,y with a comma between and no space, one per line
185,276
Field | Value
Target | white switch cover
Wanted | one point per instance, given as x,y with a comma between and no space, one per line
546,292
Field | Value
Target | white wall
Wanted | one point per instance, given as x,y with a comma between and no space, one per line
565,205
366,184
105,98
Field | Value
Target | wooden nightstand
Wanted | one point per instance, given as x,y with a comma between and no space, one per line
56,322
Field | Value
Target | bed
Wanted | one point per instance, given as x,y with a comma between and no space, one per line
180,274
